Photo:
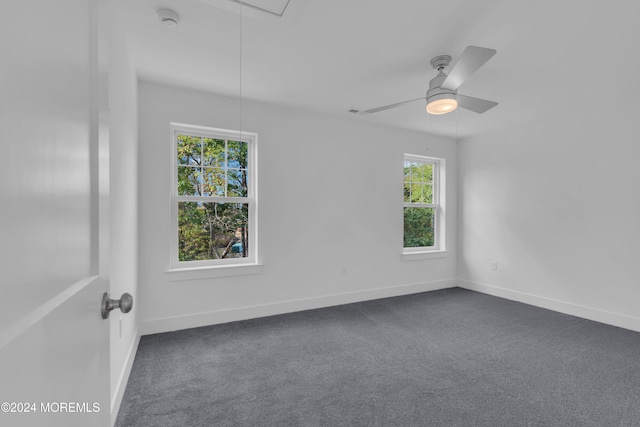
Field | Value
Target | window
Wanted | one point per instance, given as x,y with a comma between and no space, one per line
423,204
214,197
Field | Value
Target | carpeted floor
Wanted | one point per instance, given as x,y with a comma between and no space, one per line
445,358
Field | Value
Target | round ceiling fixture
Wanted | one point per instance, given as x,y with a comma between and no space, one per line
168,18
442,104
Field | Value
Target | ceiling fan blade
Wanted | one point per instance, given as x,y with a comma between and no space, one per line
390,106
471,59
476,105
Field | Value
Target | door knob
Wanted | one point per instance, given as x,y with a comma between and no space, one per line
125,303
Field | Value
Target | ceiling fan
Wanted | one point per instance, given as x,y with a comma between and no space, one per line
442,96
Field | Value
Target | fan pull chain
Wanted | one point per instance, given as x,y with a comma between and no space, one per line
240,71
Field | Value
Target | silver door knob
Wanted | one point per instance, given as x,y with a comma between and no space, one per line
125,303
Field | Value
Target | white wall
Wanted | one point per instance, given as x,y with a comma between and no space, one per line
123,206
330,194
556,204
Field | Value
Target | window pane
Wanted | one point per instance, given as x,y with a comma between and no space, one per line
407,192
213,152
421,172
413,170
189,181
237,183
214,182
427,193
407,171
420,193
212,231
237,154
188,150
418,227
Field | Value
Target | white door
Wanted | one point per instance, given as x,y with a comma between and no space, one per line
54,345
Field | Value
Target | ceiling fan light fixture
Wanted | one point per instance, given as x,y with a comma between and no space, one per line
442,96
442,104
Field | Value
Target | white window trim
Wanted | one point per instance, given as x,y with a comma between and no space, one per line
225,267
209,272
438,250
416,256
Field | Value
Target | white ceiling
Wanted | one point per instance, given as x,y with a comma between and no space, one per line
334,55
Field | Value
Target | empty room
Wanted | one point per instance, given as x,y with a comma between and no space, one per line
320,213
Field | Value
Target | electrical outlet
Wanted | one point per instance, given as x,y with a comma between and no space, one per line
344,270
493,265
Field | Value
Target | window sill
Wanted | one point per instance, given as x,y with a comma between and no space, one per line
195,273
415,256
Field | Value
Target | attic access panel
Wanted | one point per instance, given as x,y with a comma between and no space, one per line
274,7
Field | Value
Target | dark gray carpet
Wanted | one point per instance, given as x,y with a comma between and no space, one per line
444,358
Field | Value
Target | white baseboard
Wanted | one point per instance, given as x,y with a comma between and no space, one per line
195,320
615,319
116,399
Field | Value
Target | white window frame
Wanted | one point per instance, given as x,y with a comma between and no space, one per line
438,249
252,196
